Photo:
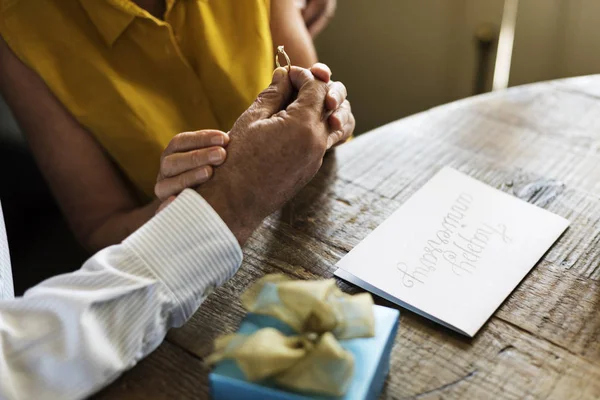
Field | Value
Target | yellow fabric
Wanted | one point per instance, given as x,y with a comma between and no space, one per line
135,81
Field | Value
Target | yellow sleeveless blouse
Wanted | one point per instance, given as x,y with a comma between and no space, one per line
135,81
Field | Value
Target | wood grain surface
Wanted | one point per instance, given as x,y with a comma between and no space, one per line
538,142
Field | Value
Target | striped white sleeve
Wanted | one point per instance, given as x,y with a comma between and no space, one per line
72,334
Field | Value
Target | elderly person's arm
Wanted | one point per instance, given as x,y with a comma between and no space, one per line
72,334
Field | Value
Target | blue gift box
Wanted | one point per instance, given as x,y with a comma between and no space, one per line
371,363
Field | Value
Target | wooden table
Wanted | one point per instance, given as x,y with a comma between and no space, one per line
539,142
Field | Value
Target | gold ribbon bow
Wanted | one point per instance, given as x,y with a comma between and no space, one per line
312,361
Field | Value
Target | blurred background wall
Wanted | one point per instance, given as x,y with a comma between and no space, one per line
399,57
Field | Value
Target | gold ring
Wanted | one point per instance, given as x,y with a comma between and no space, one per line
281,51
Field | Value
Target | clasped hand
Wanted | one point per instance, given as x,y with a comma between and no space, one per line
274,148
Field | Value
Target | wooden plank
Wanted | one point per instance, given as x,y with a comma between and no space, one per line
168,373
503,361
564,309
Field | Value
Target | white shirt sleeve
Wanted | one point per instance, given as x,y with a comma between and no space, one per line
74,333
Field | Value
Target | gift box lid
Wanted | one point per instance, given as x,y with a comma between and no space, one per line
371,363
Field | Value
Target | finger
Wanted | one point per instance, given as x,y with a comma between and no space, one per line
303,81
339,137
164,204
187,141
321,71
317,25
311,93
274,98
189,179
342,124
312,11
309,104
347,131
336,95
177,163
299,77
340,116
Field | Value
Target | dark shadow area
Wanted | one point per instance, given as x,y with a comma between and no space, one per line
41,244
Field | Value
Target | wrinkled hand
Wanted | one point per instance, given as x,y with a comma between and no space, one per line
317,15
340,118
275,148
188,161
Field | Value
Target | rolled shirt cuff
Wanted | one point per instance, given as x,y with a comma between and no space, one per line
189,248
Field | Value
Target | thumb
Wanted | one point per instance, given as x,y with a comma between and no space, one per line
274,98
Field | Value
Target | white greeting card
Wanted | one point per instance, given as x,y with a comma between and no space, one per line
453,251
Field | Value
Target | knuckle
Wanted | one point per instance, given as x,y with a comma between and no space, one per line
316,85
269,93
165,164
272,94
177,139
340,92
315,95
198,157
320,65
339,85
203,137
183,181
343,89
306,77
169,149
281,114
342,117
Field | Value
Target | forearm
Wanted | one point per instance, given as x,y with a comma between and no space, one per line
288,29
240,215
117,227
91,325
